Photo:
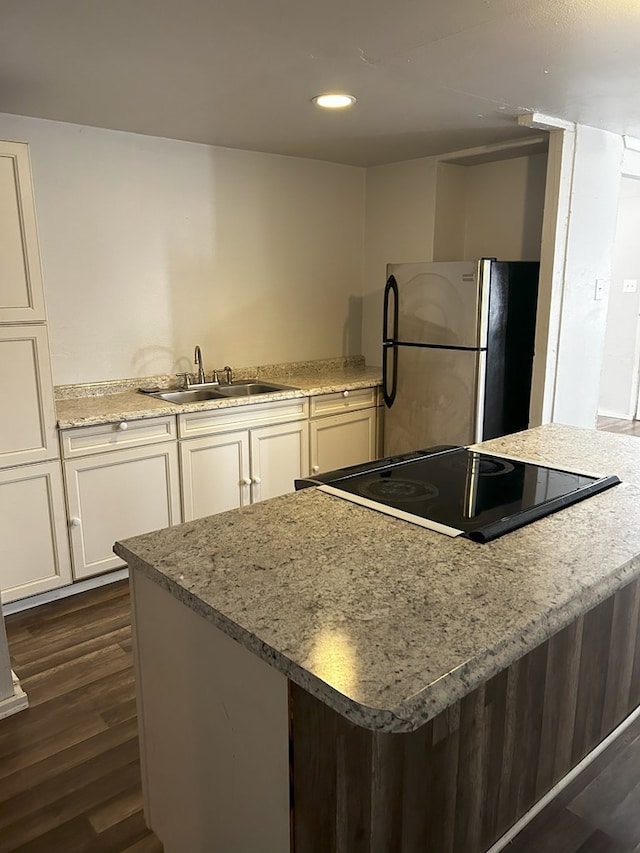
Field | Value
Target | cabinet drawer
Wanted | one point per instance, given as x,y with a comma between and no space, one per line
193,424
342,401
81,441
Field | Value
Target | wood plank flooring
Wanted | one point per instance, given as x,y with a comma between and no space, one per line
619,425
69,765
599,812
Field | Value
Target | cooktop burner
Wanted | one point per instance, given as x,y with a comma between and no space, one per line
458,491
488,467
395,489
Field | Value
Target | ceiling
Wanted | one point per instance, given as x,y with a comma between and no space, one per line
430,76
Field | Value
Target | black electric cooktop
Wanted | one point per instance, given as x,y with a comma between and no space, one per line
458,491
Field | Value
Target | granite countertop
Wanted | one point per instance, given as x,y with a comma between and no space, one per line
128,404
389,623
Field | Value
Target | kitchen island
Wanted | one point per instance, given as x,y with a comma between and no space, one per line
317,676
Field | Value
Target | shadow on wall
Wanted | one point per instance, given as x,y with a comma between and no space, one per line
352,330
372,305
158,361
535,181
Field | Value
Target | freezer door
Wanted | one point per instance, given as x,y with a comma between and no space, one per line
442,303
439,399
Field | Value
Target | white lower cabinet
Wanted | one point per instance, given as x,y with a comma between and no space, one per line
229,470
34,550
342,440
115,495
215,474
343,429
279,456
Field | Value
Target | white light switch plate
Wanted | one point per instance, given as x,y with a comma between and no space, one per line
629,285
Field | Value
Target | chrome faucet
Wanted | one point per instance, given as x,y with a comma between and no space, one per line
197,360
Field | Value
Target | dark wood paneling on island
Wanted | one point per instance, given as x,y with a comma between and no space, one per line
459,782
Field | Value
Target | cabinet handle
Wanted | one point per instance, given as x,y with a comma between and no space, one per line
257,480
345,393
75,522
315,469
123,425
246,481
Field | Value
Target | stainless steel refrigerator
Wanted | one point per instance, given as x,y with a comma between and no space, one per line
458,344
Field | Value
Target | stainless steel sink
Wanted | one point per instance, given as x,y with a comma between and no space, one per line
211,391
192,395
251,387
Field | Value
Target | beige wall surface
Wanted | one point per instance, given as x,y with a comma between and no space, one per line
150,246
505,205
424,210
400,218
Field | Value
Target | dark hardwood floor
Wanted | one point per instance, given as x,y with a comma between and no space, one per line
69,764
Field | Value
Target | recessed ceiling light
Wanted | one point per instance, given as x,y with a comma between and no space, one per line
333,101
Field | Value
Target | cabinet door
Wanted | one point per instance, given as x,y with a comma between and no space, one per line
343,440
28,424
215,474
34,550
21,292
116,495
279,455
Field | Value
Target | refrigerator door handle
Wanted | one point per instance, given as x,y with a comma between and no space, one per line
389,349
390,287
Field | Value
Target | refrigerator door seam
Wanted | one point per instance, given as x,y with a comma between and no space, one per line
435,346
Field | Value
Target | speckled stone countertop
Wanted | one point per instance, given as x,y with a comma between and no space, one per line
389,623
117,401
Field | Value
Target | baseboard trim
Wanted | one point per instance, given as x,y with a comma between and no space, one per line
15,703
64,591
619,416
508,837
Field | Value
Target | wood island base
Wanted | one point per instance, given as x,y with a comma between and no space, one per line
237,759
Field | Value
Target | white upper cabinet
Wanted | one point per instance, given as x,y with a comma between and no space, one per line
28,424
21,290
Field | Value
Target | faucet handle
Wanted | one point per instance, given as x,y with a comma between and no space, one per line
187,379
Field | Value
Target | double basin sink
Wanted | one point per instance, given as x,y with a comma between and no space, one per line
215,391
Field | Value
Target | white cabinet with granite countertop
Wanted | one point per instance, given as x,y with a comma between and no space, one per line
232,457
230,452
119,477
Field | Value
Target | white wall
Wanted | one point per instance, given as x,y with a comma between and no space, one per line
587,218
619,364
150,246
